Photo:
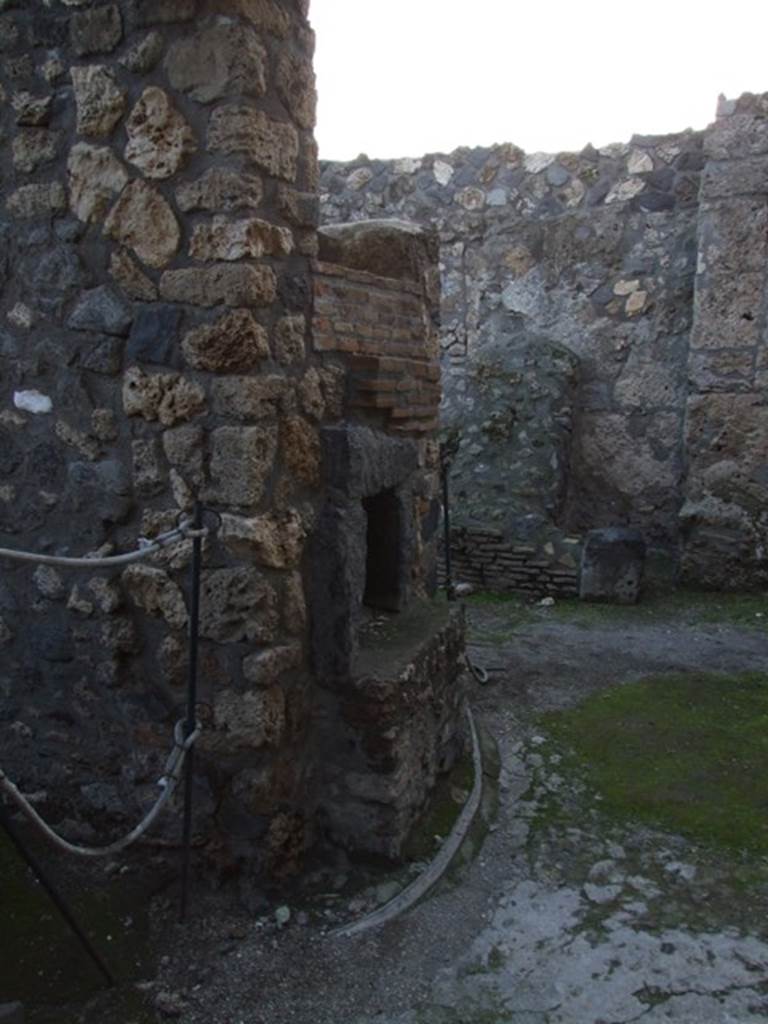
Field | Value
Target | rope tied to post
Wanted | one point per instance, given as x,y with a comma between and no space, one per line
146,548
168,783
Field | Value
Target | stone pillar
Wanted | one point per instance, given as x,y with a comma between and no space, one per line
159,210
724,518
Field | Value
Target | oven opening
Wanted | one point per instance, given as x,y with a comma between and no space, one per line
383,552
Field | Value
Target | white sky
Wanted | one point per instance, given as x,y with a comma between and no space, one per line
408,77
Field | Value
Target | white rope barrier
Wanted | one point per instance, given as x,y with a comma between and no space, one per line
168,782
144,550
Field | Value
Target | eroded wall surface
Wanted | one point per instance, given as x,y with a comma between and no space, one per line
724,517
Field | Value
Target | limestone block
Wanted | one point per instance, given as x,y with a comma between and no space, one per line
33,147
134,283
220,190
290,348
223,59
274,540
333,380
301,449
623,191
155,592
100,102
295,82
241,461
265,667
237,605
31,110
235,341
166,397
248,721
96,176
159,139
143,220
612,564
727,310
231,284
97,30
225,239
249,398
43,200
101,309
271,145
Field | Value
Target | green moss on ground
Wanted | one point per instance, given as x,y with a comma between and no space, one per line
686,752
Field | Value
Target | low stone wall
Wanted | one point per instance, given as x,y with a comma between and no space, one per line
490,561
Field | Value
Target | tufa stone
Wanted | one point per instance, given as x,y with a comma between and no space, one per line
290,348
134,283
295,82
237,605
301,449
42,200
249,398
220,189
231,284
225,239
223,59
96,176
272,145
144,54
234,342
241,462
166,397
265,667
97,30
100,102
155,593
273,540
32,110
143,220
32,147
159,139
248,720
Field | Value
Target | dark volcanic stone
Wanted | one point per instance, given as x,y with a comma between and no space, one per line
101,309
612,565
154,334
95,31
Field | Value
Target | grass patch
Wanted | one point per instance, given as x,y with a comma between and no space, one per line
690,606
686,752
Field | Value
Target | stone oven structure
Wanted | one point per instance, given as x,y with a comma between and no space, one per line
171,326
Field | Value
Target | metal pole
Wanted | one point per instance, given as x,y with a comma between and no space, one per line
191,722
53,894
447,533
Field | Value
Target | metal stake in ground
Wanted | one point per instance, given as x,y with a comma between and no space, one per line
53,894
191,722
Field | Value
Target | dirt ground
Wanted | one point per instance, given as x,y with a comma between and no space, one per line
563,916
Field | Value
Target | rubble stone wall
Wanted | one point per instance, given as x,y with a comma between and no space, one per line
157,219
725,514
567,285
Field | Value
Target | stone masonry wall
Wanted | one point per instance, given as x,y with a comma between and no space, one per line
157,218
725,514
579,259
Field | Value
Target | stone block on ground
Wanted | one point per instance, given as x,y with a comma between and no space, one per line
612,565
